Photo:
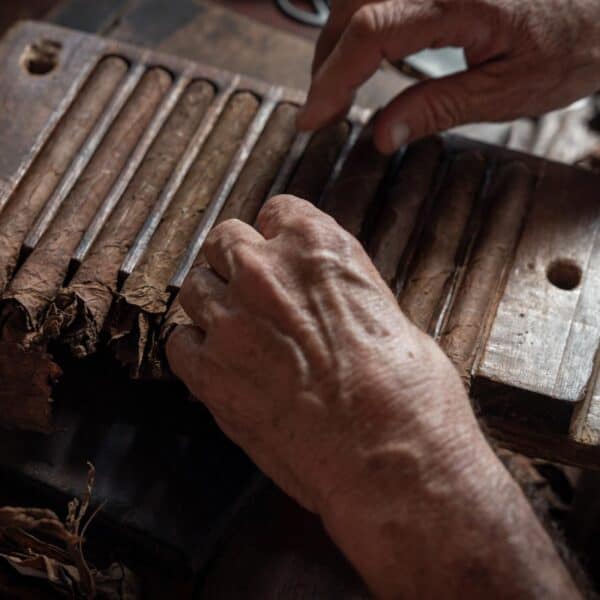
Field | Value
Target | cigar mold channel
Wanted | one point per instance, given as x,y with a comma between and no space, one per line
132,157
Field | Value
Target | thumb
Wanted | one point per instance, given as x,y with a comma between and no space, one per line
436,105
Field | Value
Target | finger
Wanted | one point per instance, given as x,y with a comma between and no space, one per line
441,104
286,213
201,294
185,351
225,242
386,30
340,15
190,362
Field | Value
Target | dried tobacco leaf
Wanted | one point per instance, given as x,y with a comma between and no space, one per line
37,545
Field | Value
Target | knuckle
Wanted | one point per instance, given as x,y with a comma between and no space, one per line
442,110
195,286
220,232
311,230
246,260
368,20
274,211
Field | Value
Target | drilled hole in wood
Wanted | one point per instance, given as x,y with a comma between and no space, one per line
41,58
564,274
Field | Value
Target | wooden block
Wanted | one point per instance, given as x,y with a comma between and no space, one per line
466,234
547,326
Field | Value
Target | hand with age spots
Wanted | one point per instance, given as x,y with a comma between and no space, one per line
525,58
300,352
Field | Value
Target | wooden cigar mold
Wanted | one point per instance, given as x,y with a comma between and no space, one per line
115,163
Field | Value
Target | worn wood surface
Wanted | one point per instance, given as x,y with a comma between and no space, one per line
545,335
436,260
433,264
488,267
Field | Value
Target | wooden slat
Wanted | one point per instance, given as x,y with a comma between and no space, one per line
488,267
544,338
435,260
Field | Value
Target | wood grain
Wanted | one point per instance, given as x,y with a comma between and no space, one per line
435,261
489,265
544,338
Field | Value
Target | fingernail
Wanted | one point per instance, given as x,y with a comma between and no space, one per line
399,134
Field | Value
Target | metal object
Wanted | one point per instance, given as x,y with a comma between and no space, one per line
291,162
315,18
212,116
235,168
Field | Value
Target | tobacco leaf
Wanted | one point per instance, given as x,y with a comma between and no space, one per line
37,545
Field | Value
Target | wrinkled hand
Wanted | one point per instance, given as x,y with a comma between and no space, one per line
525,58
305,360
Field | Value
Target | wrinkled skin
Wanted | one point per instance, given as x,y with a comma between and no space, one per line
302,335
305,360
525,58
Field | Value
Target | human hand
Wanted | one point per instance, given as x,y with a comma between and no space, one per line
525,58
304,358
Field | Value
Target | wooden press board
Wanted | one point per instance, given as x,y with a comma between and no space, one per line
512,280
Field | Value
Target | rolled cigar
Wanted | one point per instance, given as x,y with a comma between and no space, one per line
26,299
488,267
79,311
53,161
244,203
351,196
435,260
250,191
145,296
405,200
314,169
